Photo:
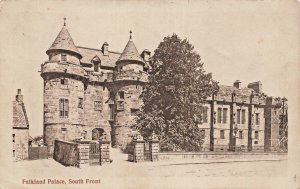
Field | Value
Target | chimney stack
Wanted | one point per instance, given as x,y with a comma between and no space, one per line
256,86
146,55
237,84
105,49
19,97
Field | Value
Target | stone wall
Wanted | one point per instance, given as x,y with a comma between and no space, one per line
97,111
66,153
62,127
223,155
20,144
20,134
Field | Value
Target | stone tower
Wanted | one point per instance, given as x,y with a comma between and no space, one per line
129,78
20,129
64,83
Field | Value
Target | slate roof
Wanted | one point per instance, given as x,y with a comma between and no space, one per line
88,54
130,53
64,41
242,94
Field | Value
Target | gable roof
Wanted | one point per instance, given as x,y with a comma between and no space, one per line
130,53
88,54
65,42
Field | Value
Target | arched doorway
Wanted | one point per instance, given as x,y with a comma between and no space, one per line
97,133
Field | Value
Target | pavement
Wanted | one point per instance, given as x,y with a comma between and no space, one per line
162,174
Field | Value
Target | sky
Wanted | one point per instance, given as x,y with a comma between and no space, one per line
245,40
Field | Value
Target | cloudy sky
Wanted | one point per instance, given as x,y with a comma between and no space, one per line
245,40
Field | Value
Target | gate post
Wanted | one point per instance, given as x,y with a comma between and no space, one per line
104,149
154,147
138,148
83,149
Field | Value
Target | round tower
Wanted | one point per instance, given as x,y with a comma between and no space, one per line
128,85
64,85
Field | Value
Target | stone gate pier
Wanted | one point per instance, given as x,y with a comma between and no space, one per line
144,149
82,153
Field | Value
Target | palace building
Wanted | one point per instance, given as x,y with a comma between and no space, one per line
91,91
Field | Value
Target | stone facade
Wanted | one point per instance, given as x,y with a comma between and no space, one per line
20,133
91,91
240,119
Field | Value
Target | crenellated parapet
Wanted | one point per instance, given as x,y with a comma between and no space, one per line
131,75
65,68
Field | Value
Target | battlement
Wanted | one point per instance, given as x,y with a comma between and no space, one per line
131,75
62,67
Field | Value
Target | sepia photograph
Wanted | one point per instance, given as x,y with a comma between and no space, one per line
160,94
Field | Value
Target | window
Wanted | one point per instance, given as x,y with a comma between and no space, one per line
64,129
112,112
63,108
243,116
238,116
255,142
14,153
241,134
98,105
257,119
224,115
219,115
256,134
64,57
96,66
204,114
80,102
13,136
121,95
64,81
202,133
120,105
133,111
222,134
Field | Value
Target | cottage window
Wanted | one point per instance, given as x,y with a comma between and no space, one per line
222,134
63,57
63,108
80,102
14,153
13,136
98,105
219,115
243,116
224,115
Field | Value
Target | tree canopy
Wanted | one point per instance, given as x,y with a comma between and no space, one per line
177,88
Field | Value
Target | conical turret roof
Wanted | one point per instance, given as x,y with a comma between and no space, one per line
64,42
130,53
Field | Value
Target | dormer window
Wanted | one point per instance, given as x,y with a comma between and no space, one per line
63,57
96,66
96,61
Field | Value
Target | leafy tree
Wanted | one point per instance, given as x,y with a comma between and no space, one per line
178,86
